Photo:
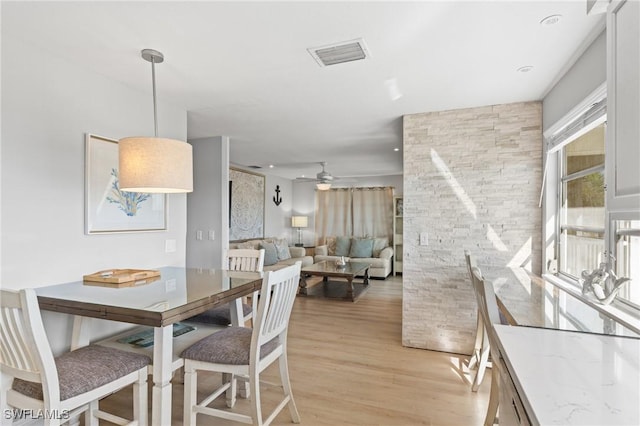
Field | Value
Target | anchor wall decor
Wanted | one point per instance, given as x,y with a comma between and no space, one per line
276,198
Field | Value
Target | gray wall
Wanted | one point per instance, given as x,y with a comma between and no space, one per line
471,181
47,107
208,204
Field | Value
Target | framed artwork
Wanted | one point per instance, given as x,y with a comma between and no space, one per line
246,204
109,210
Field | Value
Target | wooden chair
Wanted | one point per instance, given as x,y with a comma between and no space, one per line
246,260
480,357
488,309
61,388
244,353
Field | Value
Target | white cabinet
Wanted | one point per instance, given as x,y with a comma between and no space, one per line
623,91
397,235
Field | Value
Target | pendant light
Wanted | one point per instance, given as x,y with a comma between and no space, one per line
153,164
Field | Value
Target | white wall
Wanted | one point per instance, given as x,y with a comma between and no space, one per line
277,219
47,107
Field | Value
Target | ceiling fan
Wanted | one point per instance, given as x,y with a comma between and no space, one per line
323,179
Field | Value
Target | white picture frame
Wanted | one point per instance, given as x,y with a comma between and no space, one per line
107,209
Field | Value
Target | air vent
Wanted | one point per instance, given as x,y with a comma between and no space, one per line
347,51
255,167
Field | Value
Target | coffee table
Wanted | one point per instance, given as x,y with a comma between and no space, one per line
332,288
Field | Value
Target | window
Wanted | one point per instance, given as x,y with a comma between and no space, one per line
582,210
627,253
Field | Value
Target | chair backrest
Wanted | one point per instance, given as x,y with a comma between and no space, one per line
24,349
277,295
247,260
487,304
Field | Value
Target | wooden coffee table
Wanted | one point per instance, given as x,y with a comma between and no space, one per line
332,288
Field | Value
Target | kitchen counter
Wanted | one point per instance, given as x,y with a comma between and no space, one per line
571,378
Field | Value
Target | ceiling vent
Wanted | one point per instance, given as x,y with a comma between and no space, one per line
346,51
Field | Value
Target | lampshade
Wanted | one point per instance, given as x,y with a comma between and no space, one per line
323,186
153,164
299,221
149,164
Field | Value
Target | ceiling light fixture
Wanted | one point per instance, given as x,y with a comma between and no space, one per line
396,149
551,20
153,164
323,186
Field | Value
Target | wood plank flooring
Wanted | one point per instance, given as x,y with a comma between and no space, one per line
348,367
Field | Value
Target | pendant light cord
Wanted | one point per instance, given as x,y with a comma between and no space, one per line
155,109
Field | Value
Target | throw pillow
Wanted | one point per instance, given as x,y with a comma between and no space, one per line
282,248
361,248
342,246
378,245
331,245
270,253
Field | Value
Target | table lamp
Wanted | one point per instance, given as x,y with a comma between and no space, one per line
299,222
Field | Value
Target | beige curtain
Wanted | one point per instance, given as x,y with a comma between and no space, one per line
333,213
356,212
373,212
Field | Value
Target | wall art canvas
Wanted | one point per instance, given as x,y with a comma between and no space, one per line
246,205
109,210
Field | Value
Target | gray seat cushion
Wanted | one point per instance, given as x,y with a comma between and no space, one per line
220,315
229,346
85,369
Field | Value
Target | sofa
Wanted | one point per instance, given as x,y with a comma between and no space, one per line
277,253
375,251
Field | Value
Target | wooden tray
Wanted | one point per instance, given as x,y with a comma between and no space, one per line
122,277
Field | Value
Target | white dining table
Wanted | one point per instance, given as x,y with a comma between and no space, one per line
176,295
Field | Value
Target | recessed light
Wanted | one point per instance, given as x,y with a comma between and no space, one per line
526,68
396,149
271,166
551,20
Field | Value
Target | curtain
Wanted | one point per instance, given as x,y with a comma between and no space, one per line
373,212
355,212
333,213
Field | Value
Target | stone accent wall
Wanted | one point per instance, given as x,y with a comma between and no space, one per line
471,181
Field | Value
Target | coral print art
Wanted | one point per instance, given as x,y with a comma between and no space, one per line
107,208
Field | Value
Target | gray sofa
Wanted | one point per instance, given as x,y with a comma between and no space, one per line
379,258
296,253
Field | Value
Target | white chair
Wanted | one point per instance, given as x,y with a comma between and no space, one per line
480,357
245,353
61,388
488,309
246,260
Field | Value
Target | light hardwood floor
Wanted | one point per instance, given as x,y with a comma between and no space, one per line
348,367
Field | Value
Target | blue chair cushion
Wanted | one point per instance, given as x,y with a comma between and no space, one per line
229,346
361,248
86,369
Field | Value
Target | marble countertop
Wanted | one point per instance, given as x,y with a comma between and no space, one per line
571,378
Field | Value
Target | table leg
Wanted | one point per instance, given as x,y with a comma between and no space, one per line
303,285
162,372
80,334
366,277
350,289
237,319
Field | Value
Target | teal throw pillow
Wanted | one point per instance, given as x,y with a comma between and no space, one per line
361,248
270,253
342,246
